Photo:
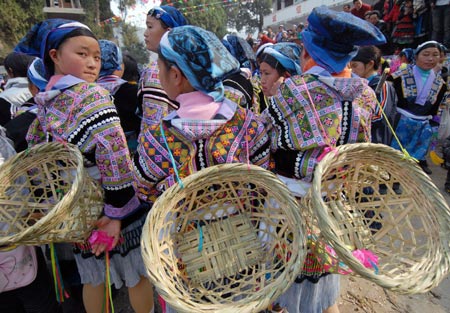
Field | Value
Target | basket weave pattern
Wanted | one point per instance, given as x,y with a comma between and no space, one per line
46,196
231,239
366,196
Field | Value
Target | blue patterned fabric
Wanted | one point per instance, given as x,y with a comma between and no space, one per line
46,35
332,37
111,57
201,56
288,54
414,135
168,15
240,49
36,74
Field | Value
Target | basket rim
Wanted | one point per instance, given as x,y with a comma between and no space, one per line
156,271
66,200
328,227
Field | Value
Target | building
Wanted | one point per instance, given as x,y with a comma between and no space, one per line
68,9
290,12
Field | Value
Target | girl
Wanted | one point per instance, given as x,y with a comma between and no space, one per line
74,109
366,64
152,99
207,129
323,107
420,93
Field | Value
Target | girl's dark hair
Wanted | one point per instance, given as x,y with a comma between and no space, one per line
49,66
273,62
369,53
131,71
17,63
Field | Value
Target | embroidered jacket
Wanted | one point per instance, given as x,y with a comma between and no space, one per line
83,114
196,144
406,89
151,96
319,112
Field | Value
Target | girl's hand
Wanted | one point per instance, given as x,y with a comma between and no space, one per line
109,226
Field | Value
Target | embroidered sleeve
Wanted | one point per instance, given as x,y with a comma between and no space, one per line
98,129
35,133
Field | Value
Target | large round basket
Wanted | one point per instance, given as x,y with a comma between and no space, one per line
230,238
368,197
47,196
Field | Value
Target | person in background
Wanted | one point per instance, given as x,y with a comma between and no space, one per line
346,8
402,17
366,64
323,107
16,91
152,99
279,35
17,128
264,38
125,98
441,68
76,110
238,85
360,9
375,19
420,93
440,18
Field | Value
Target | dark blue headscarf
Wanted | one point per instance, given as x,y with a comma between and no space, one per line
169,15
111,57
201,56
332,37
240,49
46,35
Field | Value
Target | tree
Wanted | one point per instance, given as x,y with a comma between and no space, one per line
249,15
17,19
133,45
206,14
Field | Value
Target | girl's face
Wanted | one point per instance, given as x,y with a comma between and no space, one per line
269,77
78,56
361,69
153,33
428,58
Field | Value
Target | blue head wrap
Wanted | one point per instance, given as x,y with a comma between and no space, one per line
201,56
428,44
332,37
111,57
408,53
36,74
168,15
288,55
46,35
240,49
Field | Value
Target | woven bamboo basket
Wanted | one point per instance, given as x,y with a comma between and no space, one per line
231,239
47,196
368,196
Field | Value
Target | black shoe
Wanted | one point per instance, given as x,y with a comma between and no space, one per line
424,165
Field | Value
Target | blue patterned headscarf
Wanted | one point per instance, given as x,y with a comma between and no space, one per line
332,37
201,56
36,74
169,15
46,35
111,57
240,49
287,54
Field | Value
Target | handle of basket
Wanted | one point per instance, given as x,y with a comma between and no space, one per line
163,134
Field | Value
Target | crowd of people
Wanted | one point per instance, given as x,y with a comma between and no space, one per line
207,101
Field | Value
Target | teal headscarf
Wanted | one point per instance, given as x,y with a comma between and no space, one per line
201,56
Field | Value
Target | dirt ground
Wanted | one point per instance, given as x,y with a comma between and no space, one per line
362,296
